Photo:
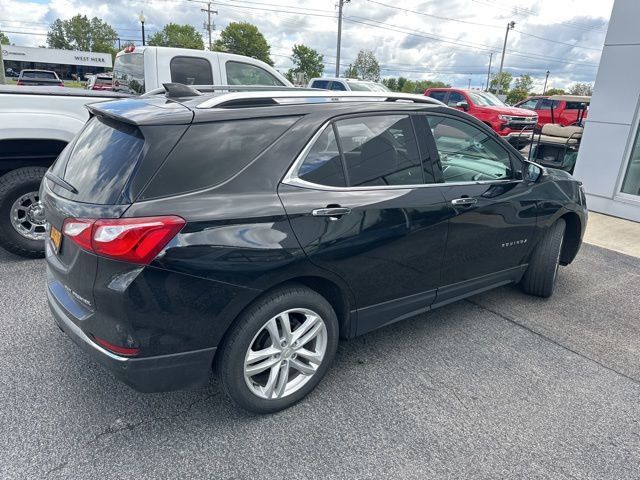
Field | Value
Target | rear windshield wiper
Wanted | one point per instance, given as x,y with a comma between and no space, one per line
59,181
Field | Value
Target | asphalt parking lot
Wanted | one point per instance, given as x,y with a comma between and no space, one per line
500,386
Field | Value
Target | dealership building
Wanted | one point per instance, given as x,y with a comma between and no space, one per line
609,157
67,64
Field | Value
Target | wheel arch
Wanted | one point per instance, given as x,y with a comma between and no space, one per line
572,237
337,295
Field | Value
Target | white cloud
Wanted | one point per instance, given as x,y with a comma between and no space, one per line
404,41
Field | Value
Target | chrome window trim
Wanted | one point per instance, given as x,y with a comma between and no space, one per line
291,177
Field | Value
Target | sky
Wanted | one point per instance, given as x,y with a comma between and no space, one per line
446,40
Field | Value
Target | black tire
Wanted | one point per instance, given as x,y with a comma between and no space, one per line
231,356
540,277
12,186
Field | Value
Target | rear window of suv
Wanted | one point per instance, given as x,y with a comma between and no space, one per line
101,161
210,153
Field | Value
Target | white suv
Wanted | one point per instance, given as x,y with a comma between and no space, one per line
347,84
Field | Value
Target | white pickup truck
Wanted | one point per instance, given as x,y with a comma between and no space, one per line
36,123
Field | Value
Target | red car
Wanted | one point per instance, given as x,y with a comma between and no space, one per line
513,124
567,109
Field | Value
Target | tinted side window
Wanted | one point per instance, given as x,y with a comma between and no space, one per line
338,86
438,95
320,84
467,154
380,150
323,165
575,106
210,153
191,71
239,73
455,98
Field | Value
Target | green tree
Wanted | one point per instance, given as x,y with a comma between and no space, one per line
408,87
515,95
178,36
401,82
350,72
554,91
524,83
4,40
390,83
244,38
365,67
581,89
80,33
521,89
501,80
305,60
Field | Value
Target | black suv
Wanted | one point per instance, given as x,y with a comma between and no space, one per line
247,231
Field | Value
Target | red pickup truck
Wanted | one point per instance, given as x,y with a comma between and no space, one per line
513,124
569,111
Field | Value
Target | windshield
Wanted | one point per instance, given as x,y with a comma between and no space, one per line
486,99
128,73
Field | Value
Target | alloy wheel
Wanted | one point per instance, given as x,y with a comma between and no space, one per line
285,353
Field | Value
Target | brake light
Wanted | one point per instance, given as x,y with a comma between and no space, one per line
124,351
135,240
20,82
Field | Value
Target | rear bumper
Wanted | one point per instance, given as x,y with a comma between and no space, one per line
177,371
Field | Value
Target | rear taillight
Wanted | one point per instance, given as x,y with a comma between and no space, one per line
135,240
20,82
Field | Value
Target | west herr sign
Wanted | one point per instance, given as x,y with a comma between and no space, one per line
61,57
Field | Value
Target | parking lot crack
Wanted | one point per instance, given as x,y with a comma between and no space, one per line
513,320
111,430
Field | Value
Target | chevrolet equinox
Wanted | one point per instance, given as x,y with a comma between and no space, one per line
248,231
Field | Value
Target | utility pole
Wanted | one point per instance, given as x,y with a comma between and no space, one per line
489,70
544,90
208,26
340,5
510,26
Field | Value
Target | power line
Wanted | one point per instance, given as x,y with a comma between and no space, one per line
483,48
557,41
449,19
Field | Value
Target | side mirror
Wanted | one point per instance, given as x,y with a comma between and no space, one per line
532,173
463,105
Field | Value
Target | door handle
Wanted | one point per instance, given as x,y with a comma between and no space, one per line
465,201
333,212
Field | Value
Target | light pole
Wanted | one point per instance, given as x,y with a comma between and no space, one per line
141,18
510,26
544,89
340,5
469,84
